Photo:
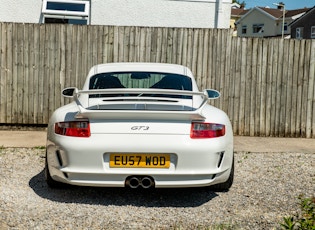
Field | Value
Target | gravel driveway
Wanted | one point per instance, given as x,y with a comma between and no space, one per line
266,188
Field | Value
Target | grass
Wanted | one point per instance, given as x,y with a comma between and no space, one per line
40,147
304,220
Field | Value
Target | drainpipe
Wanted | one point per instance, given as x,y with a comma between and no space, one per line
90,13
218,13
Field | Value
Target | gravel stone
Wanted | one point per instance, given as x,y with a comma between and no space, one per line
265,189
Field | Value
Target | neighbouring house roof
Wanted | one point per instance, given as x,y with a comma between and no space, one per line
238,12
275,14
292,13
309,11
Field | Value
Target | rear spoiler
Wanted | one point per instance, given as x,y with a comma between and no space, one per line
195,114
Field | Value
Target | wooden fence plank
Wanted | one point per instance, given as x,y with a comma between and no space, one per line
283,89
258,87
222,59
195,56
49,81
247,87
232,84
227,74
279,87
312,75
29,70
297,100
3,70
204,60
242,78
273,86
305,63
289,86
189,48
253,103
310,115
269,86
208,80
15,74
9,73
26,90
199,59
237,85
263,87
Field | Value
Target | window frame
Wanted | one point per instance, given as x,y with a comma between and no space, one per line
299,32
285,27
257,26
84,13
244,29
312,31
66,14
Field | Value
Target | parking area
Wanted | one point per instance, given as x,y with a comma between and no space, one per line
265,189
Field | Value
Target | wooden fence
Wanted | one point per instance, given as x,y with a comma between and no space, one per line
267,85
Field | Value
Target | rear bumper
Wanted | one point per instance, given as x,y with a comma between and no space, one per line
85,161
160,181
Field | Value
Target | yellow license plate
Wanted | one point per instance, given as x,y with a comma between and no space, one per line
122,160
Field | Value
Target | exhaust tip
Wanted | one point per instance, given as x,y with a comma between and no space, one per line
133,182
137,181
147,182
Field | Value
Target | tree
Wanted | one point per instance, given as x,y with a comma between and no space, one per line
242,4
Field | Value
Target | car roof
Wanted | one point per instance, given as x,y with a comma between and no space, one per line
141,67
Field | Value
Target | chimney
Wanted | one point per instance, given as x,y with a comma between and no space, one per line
280,6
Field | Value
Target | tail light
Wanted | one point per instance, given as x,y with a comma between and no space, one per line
73,128
206,130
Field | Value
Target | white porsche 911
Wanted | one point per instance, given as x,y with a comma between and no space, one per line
140,125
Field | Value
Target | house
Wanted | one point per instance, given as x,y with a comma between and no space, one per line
267,22
153,13
304,26
236,14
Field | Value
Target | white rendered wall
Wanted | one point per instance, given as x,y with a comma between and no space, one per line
153,13
28,11
162,13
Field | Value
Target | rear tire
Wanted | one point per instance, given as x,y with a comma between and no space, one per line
49,180
227,184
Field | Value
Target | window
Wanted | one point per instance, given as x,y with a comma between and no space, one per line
258,28
244,29
313,32
70,12
65,21
285,26
299,32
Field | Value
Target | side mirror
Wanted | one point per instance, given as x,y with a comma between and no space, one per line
68,92
212,94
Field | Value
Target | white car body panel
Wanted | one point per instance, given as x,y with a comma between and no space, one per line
139,127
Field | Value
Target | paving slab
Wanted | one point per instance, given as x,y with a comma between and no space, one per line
274,144
30,139
20,139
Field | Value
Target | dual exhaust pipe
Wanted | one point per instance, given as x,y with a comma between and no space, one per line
137,181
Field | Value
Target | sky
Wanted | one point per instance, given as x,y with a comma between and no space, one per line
289,4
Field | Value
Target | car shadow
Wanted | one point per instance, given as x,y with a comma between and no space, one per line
179,197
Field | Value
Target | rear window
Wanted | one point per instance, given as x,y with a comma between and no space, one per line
140,80
144,80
